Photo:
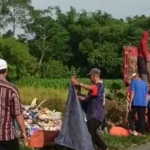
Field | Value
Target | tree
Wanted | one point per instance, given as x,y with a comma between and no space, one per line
105,57
54,69
48,37
60,40
21,63
16,12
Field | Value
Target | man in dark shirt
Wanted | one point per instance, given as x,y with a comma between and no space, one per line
95,110
10,109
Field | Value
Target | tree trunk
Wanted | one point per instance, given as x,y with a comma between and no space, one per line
14,29
39,65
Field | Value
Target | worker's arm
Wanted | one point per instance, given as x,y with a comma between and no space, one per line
128,94
131,98
16,110
85,86
92,88
128,97
20,121
147,95
147,99
145,49
132,91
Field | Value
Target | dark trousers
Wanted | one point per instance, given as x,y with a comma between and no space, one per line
9,145
141,127
148,114
142,66
93,125
142,69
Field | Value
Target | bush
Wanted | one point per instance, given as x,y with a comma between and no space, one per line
115,111
54,69
20,62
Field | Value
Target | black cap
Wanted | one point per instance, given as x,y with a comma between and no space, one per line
94,71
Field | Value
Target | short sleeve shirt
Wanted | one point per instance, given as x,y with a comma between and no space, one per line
140,90
96,103
10,106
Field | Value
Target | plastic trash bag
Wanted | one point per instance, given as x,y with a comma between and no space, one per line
74,133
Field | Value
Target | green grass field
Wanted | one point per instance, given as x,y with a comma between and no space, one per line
62,83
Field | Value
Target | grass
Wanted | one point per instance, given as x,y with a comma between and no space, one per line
56,99
29,93
119,143
125,143
62,83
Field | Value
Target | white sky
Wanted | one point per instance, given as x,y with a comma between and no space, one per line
118,8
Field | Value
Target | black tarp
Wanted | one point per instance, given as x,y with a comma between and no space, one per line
74,133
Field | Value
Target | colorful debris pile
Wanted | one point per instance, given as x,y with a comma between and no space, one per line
38,118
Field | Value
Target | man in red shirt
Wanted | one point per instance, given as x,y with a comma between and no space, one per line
10,109
144,58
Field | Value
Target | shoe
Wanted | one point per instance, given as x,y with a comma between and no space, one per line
134,133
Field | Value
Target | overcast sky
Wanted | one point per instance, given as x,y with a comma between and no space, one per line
118,8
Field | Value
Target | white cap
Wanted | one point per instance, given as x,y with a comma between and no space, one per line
133,75
3,64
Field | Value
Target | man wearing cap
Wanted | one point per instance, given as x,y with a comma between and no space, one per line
95,109
10,109
138,103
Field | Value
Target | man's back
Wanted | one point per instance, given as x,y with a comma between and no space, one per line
9,107
139,87
96,103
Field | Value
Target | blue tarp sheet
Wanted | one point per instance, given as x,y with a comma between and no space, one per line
74,133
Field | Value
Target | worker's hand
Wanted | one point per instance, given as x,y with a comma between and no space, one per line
130,108
25,139
74,81
81,98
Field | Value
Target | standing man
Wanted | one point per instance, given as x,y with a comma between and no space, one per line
95,108
10,109
138,103
144,58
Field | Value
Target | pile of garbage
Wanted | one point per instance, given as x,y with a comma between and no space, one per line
38,118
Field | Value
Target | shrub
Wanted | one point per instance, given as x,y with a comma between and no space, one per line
115,111
21,63
54,69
